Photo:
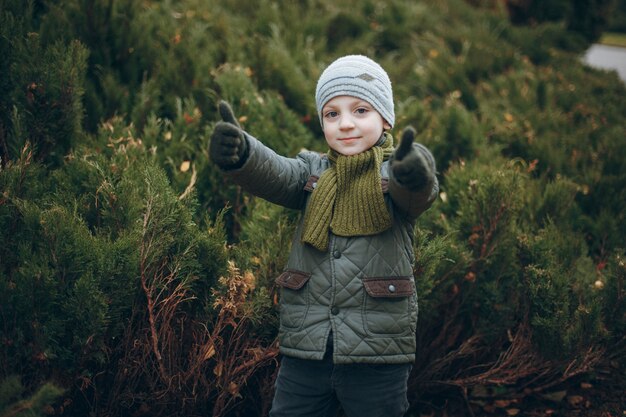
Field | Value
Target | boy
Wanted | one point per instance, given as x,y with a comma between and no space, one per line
348,308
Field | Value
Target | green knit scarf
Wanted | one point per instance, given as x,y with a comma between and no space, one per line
348,197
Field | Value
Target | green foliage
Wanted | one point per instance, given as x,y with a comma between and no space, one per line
487,203
11,390
75,252
127,263
277,68
457,136
611,281
41,89
565,307
437,259
345,27
556,203
266,257
131,47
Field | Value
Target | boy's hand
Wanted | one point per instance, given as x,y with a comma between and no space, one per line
408,165
228,147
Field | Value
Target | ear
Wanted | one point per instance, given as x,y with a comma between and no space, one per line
386,126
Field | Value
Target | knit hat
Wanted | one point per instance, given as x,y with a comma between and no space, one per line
356,76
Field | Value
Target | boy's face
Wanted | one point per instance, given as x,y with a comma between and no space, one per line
351,125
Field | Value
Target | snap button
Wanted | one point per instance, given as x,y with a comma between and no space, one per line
314,185
392,288
334,311
337,254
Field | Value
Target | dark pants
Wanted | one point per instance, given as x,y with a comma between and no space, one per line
308,388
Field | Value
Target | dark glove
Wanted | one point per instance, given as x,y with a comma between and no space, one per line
408,165
228,147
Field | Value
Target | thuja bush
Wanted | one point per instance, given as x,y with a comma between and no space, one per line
107,278
456,135
41,93
570,137
141,58
565,307
486,203
509,294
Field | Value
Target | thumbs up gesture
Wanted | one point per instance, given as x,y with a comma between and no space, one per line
408,165
228,147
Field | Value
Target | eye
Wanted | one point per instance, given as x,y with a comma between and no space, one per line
331,114
361,110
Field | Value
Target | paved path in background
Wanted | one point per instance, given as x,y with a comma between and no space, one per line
607,57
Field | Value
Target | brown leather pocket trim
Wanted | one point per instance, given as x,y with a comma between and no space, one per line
293,279
311,183
396,287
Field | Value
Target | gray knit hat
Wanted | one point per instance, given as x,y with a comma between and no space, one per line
357,76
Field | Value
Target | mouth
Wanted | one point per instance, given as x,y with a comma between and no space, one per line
345,139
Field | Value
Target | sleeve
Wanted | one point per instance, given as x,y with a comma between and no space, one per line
275,178
414,203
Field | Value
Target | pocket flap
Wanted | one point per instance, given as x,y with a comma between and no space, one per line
293,279
395,287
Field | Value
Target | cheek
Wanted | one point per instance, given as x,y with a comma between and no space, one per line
327,134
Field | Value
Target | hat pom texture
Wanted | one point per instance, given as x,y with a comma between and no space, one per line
356,76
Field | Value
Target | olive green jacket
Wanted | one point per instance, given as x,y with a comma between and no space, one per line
362,289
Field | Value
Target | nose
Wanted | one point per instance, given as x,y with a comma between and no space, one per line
346,122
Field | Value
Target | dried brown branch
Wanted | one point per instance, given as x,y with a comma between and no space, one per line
146,246
520,366
216,360
486,250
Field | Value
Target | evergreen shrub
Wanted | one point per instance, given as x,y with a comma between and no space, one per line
138,281
11,390
42,97
457,136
